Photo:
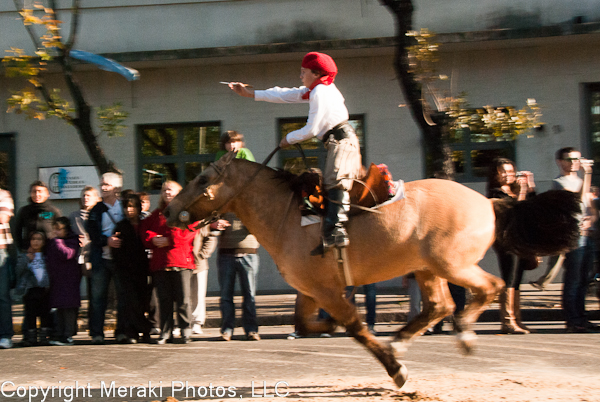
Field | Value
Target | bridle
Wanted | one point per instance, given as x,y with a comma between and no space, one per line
184,216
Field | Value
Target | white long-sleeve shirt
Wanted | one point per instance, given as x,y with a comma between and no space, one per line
327,108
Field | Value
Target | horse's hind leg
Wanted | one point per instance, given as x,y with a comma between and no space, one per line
345,313
437,304
484,288
304,320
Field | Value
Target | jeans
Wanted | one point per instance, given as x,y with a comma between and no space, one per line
135,293
6,325
199,284
246,267
36,303
66,323
173,289
577,267
370,302
102,272
414,295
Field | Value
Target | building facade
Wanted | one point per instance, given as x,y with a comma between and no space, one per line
500,52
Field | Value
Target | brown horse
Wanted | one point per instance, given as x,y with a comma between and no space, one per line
440,231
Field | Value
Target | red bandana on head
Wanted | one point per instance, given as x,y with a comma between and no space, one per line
323,63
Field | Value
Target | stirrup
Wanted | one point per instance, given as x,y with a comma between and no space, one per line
338,240
321,249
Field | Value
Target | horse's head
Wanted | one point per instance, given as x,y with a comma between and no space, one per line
202,197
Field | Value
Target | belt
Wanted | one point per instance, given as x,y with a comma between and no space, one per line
339,132
238,251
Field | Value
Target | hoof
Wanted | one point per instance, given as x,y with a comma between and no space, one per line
401,376
467,341
399,348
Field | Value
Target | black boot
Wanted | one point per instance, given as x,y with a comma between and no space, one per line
44,336
29,338
334,232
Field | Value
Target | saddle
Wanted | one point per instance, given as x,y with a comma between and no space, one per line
373,188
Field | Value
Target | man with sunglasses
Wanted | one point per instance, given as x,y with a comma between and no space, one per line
578,262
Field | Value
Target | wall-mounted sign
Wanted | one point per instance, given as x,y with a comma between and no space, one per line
67,182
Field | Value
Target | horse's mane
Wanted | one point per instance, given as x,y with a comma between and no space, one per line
298,182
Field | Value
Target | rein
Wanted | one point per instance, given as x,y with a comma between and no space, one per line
208,193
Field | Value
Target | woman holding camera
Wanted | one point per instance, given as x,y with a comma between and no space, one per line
504,181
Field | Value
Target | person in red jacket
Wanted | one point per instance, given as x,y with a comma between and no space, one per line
171,266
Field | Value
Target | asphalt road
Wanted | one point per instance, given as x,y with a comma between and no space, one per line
244,369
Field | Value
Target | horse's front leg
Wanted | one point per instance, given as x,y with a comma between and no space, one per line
437,304
345,313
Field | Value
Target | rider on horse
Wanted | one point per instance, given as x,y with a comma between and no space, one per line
328,121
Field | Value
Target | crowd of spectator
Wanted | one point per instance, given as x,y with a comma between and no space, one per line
160,273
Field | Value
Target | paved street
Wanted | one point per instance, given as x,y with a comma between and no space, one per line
544,365
310,366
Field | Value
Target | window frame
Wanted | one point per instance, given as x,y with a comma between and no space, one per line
467,146
588,143
180,158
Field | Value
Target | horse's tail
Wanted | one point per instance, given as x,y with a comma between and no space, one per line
546,224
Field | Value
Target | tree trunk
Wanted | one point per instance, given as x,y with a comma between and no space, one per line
83,121
433,126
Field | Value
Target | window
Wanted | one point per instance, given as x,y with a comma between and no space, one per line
314,150
592,117
473,149
176,152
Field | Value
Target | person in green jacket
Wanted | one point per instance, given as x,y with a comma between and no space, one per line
234,141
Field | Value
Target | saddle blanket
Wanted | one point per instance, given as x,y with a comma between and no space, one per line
398,186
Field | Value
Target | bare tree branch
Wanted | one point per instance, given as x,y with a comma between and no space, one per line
74,25
19,6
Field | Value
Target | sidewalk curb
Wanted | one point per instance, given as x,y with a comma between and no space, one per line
490,315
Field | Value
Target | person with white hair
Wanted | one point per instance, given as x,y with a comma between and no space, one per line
100,226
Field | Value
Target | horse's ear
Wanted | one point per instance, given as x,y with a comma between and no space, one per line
226,159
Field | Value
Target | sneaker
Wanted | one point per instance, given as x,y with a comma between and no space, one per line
176,331
155,331
226,335
5,343
294,335
98,340
253,336
536,285
186,339
64,342
325,335
197,329
371,329
162,341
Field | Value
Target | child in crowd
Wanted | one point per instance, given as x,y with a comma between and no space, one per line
145,198
62,255
34,283
132,270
